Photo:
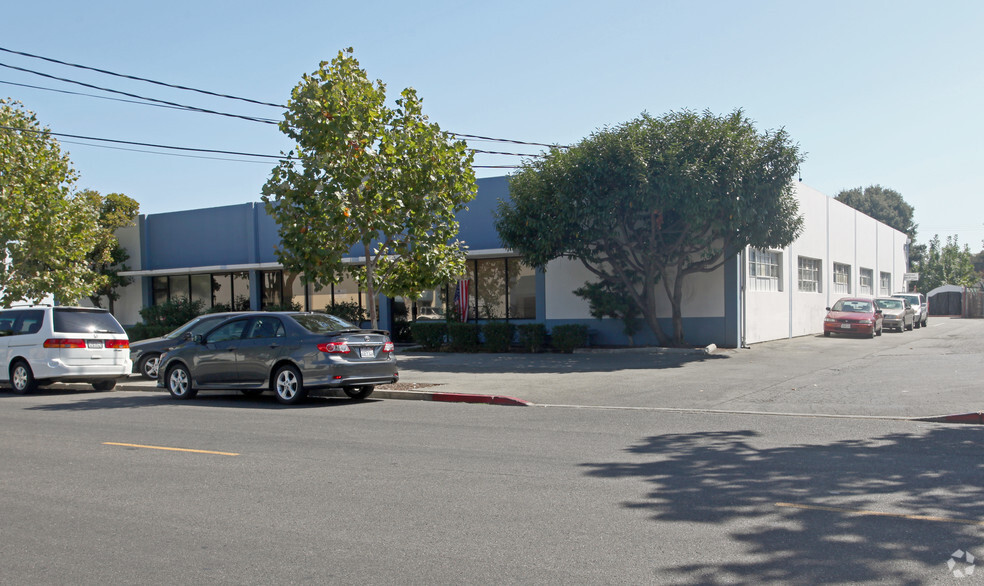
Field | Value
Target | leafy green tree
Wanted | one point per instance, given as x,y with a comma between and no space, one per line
108,258
947,264
883,204
380,179
46,232
604,300
655,200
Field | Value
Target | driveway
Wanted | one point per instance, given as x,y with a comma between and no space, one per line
935,370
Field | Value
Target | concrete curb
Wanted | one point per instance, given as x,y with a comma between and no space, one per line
971,418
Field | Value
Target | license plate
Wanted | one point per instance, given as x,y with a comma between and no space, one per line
366,353
845,326
94,344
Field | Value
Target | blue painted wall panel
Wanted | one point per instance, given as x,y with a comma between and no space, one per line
194,238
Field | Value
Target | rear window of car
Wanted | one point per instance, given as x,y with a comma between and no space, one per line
889,303
322,323
85,321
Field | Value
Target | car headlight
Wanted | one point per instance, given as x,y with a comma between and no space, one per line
866,322
829,320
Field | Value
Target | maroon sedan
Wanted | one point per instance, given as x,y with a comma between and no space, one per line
853,315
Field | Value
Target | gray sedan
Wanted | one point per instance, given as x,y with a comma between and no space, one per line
896,313
288,353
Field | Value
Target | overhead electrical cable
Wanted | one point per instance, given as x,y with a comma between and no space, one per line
220,95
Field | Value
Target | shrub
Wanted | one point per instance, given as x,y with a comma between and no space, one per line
288,306
172,313
347,310
567,337
498,335
463,337
143,331
401,331
533,337
429,334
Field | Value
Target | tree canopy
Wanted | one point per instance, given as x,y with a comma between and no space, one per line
946,264
46,232
655,200
883,204
108,258
363,174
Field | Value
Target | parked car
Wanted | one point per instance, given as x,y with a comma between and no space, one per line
853,315
897,313
289,353
919,305
40,345
146,354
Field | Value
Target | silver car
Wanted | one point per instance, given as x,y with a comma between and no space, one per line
896,313
288,353
919,305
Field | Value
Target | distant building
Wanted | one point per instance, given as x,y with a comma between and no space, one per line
225,256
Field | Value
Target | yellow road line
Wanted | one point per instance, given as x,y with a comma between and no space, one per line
861,512
170,449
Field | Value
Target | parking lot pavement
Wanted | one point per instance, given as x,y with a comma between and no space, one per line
926,372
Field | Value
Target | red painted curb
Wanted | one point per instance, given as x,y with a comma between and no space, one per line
480,399
973,418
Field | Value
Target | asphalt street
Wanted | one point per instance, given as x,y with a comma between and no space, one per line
932,371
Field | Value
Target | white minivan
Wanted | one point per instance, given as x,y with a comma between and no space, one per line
44,344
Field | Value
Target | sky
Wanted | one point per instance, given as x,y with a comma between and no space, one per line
873,92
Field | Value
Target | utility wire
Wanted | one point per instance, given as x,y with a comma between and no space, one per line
181,106
206,92
50,89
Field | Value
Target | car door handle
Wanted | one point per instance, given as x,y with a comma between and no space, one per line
274,345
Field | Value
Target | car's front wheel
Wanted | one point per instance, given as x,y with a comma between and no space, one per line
149,365
179,382
22,378
359,392
288,386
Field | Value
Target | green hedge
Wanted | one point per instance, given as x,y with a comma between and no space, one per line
429,334
498,336
463,337
533,337
565,338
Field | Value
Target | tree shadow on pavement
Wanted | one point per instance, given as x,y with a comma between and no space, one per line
816,513
547,363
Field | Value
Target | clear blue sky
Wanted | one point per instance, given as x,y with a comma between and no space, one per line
875,92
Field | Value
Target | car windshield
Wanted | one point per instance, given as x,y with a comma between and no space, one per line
322,323
199,325
852,306
889,303
913,300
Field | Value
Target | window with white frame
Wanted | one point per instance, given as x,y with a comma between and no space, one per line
866,281
764,270
809,275
842,278
885,284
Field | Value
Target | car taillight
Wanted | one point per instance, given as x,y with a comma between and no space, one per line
121,344
64,343
334,347
388,347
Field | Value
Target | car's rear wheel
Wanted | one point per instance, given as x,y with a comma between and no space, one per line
22,378
288,386
360,392
104,385
149,364
179,382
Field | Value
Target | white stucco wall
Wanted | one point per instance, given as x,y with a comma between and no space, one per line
832,232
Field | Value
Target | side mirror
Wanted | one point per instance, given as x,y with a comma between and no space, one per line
198,338
186,336
878,311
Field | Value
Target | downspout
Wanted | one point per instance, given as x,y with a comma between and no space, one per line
742,305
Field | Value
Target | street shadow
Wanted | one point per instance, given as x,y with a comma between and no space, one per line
223,399
815,513
552,363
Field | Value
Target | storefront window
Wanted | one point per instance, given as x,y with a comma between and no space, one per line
272,293
179,287
201,289
522,290
222,290
240,291
294,289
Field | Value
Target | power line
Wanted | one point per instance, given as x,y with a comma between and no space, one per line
180,106
51,89
220,95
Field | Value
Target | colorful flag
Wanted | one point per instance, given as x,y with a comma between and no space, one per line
461,300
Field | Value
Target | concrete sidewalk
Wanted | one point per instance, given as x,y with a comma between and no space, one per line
928,372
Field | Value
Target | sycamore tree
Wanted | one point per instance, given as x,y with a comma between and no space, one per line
46,231
108,258
367,177
648,203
